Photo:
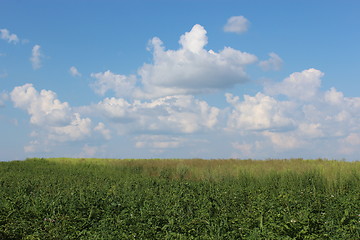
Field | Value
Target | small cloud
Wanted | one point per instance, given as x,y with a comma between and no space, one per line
273,63
74,72
2,54
237,24
9,37
36,57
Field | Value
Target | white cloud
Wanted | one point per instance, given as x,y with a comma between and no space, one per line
334,97
101,128
308,121
122,85
74,72
237,24
284,141
157,110
114,109
257,126
350,144
310,130
273,63
9,37
260,112
193,41
268,123
189,70
172,114
192,69
36,56
300,85
353,139
44,107
77,129
55,120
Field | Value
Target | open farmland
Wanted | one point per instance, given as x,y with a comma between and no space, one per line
179,199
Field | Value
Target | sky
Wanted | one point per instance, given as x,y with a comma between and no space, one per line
180,79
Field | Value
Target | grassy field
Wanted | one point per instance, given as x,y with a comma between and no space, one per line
179,199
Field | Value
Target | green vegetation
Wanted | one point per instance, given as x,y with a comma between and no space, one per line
179,199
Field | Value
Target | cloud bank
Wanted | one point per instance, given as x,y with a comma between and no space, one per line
160,108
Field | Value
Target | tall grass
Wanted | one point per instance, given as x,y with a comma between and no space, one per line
335,172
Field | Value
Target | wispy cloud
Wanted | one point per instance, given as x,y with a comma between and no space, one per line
237,24
36,57
9,37
74,72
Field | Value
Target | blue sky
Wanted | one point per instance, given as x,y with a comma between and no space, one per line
179,79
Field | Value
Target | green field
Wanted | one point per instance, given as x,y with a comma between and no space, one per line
179,199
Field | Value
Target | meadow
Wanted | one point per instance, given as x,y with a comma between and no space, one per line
179,199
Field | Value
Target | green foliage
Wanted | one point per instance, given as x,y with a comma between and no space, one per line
179,199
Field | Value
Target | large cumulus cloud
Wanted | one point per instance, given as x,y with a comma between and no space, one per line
191,69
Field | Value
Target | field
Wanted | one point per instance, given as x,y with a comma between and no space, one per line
179,199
